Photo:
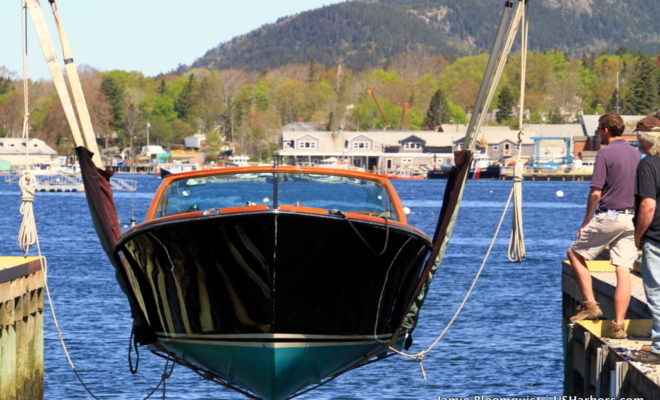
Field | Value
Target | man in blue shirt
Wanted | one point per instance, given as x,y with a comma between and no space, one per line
608,221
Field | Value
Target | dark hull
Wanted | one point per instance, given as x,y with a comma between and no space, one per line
267,273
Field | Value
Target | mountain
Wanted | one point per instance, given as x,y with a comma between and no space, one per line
366,33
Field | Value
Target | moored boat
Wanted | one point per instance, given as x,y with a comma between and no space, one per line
410,174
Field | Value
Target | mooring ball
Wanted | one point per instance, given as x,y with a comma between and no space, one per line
559,193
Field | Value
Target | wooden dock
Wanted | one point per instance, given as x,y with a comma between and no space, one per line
21,328
599,366
541,175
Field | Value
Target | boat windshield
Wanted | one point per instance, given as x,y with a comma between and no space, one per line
273,189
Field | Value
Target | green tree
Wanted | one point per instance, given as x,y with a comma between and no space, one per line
214,145
614,105
643,97
5,85
438,112
184,102
505,103
115,96
456,114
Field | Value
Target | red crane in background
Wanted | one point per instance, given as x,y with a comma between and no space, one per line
380,109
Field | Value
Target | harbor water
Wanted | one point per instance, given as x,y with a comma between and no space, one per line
506,342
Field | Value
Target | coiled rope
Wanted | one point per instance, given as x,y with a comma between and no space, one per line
517,251
27,235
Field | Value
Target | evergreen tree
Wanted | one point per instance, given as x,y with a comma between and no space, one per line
184,102
5,85
614,106
438,112
505,105
642,97
114,95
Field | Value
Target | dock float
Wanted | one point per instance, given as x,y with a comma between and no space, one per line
531,175
595,365
21,328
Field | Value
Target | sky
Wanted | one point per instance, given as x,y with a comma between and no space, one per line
144,35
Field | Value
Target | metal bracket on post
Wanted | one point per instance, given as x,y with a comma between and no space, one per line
586,378
616,380
599,369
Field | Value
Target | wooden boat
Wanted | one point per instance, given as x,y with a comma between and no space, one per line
272,279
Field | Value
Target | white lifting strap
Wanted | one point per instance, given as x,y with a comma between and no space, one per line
48,49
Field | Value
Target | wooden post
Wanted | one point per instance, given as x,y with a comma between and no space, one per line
21,328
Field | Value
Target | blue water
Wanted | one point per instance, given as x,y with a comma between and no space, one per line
506,342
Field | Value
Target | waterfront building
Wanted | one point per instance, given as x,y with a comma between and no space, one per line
13,152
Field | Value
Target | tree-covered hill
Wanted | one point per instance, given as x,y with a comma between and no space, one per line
367,33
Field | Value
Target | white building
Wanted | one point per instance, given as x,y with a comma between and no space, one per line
196,141
21,152
305,144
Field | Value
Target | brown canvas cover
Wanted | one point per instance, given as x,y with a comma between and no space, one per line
448,213
99,199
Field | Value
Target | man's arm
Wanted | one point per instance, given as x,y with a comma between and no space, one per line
644,219
592,202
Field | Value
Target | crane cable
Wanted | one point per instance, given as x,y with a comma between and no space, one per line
28,235
517,251
520,18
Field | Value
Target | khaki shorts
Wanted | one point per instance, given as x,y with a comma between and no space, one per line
601,231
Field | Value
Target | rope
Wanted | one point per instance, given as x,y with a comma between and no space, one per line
133,344
517,251
363,239
27,235
517,245
420,356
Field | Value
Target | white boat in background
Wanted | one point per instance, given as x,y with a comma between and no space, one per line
238,161
583,165
175,168
333,162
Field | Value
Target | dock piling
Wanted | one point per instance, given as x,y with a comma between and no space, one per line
21,328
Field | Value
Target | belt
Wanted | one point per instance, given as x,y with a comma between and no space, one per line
630,211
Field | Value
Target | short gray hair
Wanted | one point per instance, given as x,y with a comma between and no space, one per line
651,138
